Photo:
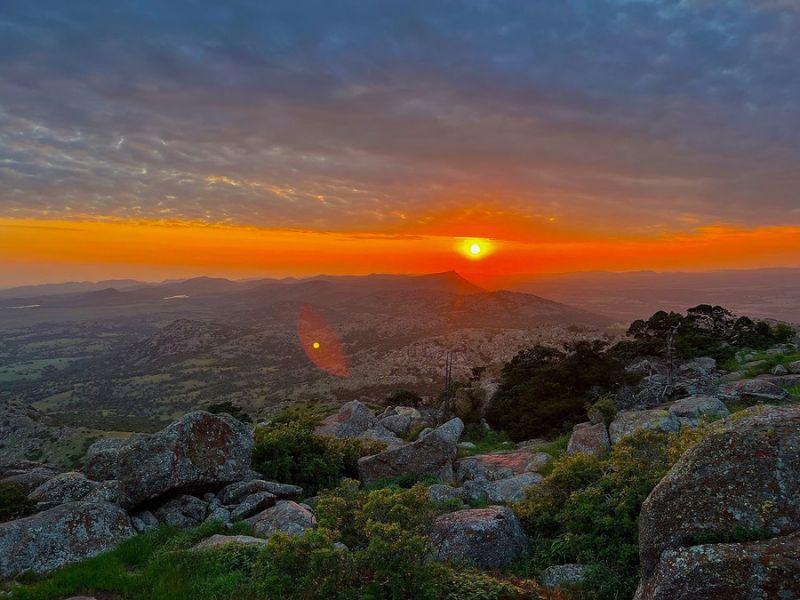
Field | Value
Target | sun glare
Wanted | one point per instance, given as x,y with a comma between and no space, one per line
474,249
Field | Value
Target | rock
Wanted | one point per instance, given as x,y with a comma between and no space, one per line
182,511
759,390
145,521
286,516
501,465
450,431
691,410
222,515
732,377
215,542
486,538
352,420
397,424
780,371
629,422
794,367
563,575
440,492
432,455
198,452
425,432
467,446
233,493
100,462
254,503
589,439
747,476
106,491
31,479
66,487
764,569
60,536
500,492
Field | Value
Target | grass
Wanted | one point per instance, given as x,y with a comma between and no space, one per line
770,362
485,441
794,391
149,566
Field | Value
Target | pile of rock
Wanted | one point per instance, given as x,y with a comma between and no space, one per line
195,470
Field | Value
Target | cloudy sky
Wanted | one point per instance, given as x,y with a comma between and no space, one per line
523,122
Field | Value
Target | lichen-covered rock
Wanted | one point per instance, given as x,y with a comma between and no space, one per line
253,504
61,536
286,516
352,419
234,492
182,511
500,465
567,575
764,569
440,492
759,391
144,521
196,453
629,422
106,491
100,462
780,371
502,491
219,514
747,476
589,439
433,455
794,367
66,487
486,538
215,542
691,410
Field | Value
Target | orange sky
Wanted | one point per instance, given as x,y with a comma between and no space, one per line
35,251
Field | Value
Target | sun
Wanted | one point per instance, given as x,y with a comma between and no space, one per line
315,345
474,248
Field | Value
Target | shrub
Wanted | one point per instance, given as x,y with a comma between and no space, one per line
292,453
604,410
587,509
14,502
229,408
544,391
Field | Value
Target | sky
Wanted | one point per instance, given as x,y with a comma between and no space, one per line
156,139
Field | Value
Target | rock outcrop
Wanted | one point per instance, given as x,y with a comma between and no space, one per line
762,569
487,538
199,452
629,422
66,487
744,478
355,420
433,455
62,535
501,465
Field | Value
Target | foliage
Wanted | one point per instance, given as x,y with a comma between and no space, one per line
14,502
769,361
587,509
228,407
602,411
293,453
308,415
544,391
403,482
485,440
705,330
403,398
735,535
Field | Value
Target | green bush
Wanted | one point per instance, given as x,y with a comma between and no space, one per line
587,509
14,502
293,453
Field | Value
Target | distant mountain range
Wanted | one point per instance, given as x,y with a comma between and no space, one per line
765,293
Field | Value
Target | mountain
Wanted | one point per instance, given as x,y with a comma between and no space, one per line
763,293
75,287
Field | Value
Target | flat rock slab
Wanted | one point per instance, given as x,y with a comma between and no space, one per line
286,516
501,465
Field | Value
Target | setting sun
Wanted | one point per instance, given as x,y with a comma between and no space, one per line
475,249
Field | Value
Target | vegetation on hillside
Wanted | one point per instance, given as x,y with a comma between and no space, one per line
544,391
14,502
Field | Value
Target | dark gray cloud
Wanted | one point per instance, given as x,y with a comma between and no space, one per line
353,115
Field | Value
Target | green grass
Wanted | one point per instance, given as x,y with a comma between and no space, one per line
770,362
556,447
485,441
148,566
794,391
31,370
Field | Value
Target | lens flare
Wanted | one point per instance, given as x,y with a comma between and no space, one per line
320,342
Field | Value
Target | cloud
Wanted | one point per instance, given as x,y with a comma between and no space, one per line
610,116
